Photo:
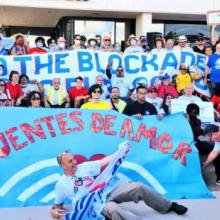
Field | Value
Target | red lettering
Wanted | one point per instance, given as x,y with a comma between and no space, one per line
48,120
62,124
164,138
181,151
13,139
127,127
151,133
28,129
5,149
109,124
77,120
97,118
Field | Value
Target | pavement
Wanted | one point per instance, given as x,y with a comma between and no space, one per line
198,209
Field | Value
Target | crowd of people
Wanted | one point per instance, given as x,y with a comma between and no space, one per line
120,96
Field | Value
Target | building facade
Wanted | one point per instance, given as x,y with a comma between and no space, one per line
91,17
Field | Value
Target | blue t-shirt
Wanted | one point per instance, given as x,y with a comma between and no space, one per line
214,64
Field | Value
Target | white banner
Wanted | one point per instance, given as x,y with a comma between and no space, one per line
68,65
206,109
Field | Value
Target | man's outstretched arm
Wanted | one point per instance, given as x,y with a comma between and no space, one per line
106,160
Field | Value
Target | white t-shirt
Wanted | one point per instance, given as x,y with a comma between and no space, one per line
70,187
157,102
136,49
29,88
123,83
192,98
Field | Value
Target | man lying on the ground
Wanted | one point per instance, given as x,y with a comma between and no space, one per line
77,177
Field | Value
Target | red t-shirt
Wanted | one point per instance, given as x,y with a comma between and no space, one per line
15,91
74,92
216,102
37,50
163,90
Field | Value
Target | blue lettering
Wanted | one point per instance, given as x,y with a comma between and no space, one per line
113,58
85,61
151,62
60,60
127,64
201,62
153,80
170,60
22,60
40,65
98,66
136,81
201,86
184,57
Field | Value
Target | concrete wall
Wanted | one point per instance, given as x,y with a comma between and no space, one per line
158,6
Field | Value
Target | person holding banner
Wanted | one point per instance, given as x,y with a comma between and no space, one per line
188,94
78,94
34,99
4,100
115,102
106,43
19,48
213,68
133,46
119,80
56,96
100,81
40,46
61,44
165,87
183,79
77,178
3,95
182,44
204,147
13,88
27,87
166,104
95,102
153,98
140,107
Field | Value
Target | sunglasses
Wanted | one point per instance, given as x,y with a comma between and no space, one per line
2,85
77,39
108,40
183,69
97,91
153,91
35,99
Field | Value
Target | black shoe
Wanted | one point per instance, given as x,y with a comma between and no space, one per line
179,209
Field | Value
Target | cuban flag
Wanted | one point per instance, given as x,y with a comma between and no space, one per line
92,201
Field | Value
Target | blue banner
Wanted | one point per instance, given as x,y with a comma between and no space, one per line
162,152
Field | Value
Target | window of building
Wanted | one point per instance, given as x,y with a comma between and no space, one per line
91,28
120,32
190,30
